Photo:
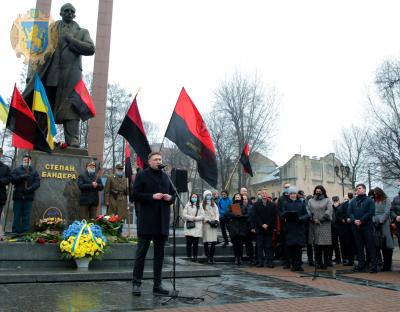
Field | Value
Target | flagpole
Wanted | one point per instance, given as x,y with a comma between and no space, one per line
230,177
129,215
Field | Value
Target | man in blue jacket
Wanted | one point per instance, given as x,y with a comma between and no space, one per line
223,207
26,181
361,210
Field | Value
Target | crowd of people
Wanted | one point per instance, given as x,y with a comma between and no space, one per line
359,231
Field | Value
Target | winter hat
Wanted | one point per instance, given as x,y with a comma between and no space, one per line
291,190
206,192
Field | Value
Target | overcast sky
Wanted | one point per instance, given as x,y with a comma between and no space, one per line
319,55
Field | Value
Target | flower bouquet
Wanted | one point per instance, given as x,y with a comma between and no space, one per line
110,225
82,240
50,224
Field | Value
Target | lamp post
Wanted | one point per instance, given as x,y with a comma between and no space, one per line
342,173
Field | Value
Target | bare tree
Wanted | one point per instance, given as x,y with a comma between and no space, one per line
152,131
118,100
351,150
385,135
249,113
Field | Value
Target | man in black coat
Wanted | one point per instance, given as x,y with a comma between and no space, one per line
26,181
153,195
361,211
5,178
90,185
263,218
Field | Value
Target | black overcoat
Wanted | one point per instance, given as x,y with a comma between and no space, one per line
5,178
89,195
152,215
295,217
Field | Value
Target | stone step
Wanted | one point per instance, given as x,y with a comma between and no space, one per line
184,269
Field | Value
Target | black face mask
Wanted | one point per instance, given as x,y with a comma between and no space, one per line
237,201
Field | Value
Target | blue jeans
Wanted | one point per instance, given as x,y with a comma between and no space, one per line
264,247
22,215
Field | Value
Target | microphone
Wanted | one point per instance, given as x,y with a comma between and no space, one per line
162,166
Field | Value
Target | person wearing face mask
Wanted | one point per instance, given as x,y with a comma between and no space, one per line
338,232
115,193
282,251
295,216
193,215
238,227
90,185
210,226
223,206
319,207
5,177
26,181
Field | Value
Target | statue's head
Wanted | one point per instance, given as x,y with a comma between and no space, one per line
67,12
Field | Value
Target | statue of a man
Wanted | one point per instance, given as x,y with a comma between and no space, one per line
63,70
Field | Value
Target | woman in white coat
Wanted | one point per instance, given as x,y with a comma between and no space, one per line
210,225
193,215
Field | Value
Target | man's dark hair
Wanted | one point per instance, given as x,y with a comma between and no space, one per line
362,185
225,191
350,195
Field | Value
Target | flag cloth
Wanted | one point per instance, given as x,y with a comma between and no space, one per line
20,121
41,104
128,170
3,110
189,132
245,160
132,130
82,101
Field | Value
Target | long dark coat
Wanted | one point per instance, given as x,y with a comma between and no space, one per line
261,214
238,225
295,217
5,178
89,195
153,215
26,182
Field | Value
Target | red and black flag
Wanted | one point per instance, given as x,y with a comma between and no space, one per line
132,130
82,101
189,132
26,132
245,160
128,170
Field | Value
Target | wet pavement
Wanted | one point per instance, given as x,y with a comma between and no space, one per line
234,286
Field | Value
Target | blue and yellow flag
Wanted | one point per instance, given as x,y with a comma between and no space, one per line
41,104
3,110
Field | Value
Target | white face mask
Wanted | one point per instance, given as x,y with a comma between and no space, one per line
26,164
91,170
119,173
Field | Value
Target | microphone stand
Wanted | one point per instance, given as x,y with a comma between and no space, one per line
174,294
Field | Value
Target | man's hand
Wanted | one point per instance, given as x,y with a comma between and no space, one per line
348,220
167,197
398,218
316,221
253,230
94,184
357,222
264,226
158,196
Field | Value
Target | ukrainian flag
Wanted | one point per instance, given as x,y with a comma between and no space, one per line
3,110
41,104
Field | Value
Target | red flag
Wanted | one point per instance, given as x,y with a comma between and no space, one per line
189,132
82,101
26,132
245,160
133,131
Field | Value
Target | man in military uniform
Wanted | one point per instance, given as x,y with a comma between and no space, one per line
63,70
115,193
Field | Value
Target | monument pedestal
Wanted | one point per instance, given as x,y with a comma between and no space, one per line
59,172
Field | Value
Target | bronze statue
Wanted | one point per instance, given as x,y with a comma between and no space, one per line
62,71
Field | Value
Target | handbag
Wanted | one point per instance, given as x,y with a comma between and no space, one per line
192,224
213,223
